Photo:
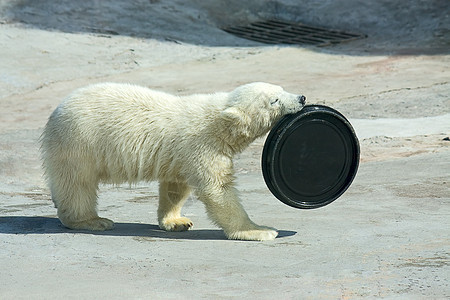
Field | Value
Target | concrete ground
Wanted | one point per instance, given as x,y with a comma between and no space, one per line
386,237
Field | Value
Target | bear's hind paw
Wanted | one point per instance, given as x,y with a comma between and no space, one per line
176,224
97,224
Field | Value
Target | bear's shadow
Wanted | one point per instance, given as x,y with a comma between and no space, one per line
49,225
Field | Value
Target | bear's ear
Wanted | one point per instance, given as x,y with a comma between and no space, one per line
235,120
232,114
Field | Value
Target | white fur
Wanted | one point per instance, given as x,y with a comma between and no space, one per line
115,133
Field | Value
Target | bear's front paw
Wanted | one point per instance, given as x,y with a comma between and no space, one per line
176,224
261,233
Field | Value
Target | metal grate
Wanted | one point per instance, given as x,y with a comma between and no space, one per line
281,32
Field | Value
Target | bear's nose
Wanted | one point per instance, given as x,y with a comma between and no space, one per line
302,99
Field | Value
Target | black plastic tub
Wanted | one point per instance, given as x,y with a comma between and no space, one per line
310,158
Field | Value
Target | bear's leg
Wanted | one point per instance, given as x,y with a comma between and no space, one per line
76,201
172,196
224,208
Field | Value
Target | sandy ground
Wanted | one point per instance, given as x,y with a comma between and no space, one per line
386,237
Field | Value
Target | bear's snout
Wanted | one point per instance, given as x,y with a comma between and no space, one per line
302,99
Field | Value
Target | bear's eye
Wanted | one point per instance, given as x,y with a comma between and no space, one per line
274,101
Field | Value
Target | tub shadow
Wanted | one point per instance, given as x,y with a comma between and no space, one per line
49,225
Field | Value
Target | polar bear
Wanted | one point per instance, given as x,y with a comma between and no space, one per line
116,133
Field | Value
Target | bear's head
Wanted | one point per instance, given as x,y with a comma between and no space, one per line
252,110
